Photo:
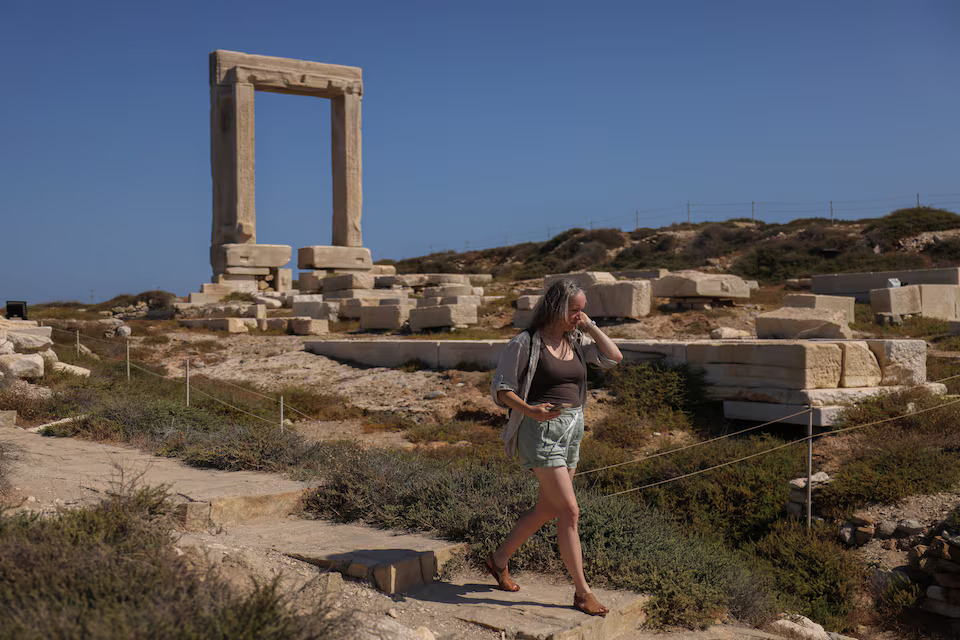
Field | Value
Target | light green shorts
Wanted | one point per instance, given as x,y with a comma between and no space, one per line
551,443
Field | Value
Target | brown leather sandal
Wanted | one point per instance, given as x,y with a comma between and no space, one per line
502,576
589,604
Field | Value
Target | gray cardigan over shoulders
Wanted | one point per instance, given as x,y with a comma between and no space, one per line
515,370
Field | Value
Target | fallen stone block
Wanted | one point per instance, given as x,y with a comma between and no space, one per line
474,300
940,301
74,370
204,298
273,324
309,326
582,279
27,343
316,309
230,325
758,375
671,354
628,299
447,290
860,365
399,576
526,303
694,284
350,309
383,270
329,257
903,362
384,316
442,316
765,412
255,255
6,347
815,397
813,301
797,355
438,279
49,357
310,281
895,301
479,279
26,366
359,294
348,281
797,323
859,285
428,302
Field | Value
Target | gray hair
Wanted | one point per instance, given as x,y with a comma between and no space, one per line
554,305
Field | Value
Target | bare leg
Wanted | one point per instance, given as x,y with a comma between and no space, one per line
556,487
528,524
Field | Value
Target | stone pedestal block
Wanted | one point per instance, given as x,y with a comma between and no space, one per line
308,326
274,324
755,375
764,412
940,301
693,284
441,316
360,294
895,301
350,308
383,270
348,282
582,279
247,271
859,285
798,323
480,279
804,355
860,365
641,274
902,361
256,255
384,316
812,301
325,257
629,299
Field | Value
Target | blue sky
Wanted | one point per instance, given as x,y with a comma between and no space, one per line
483,122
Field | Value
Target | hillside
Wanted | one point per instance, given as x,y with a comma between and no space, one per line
915,238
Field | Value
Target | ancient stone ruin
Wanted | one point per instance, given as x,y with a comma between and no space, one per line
239,263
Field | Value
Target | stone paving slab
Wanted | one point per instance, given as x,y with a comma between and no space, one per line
541,610
67,470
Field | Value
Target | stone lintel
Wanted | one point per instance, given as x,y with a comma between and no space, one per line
333,257
285,75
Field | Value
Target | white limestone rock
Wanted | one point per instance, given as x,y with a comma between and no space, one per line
71,369
26,366
582,279
729,333
28,343
801,323
903,362
800,627
693,284
626,299
269,303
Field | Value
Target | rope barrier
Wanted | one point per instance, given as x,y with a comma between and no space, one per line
695,444
782,446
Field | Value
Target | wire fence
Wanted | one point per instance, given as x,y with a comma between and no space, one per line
283,406
809,438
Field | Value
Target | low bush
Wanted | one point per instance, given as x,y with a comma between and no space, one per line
112,571
625,544
816,577
904,223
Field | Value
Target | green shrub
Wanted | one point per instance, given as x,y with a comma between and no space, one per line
900,468
816,576
625,544
111,571
904,223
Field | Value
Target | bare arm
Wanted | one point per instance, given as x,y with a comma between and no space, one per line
606,345
539,412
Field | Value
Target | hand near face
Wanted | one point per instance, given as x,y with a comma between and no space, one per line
583,322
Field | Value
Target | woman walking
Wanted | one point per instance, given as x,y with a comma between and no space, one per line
541,379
